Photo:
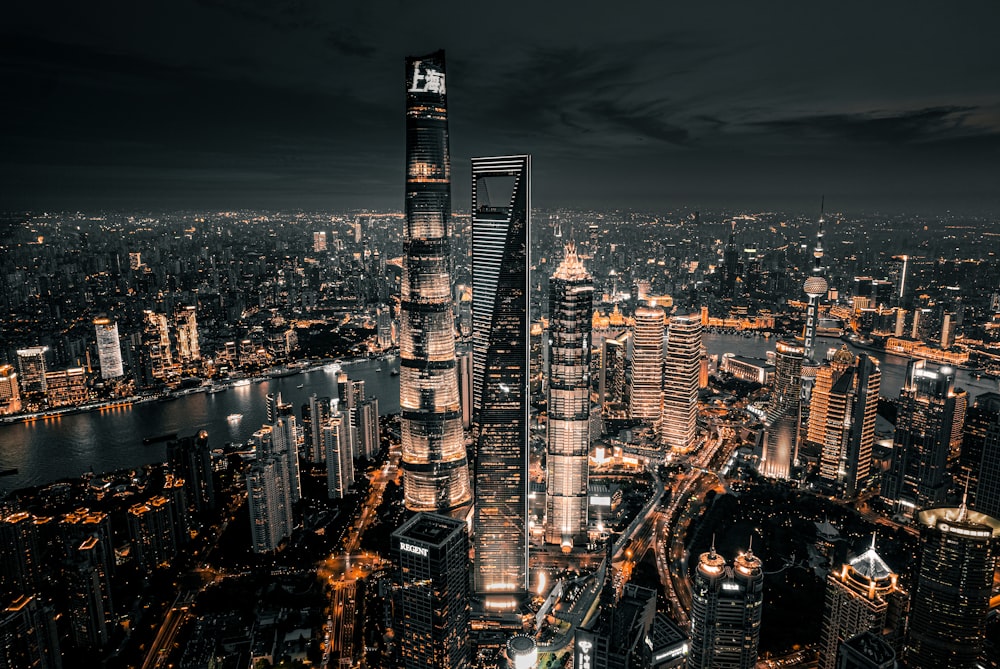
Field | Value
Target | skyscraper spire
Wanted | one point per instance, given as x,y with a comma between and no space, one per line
815,286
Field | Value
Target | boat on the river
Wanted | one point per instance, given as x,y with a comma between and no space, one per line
8,472
234,417
155,439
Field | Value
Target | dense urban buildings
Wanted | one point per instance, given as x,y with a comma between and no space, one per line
571,291
951,598
501,210
435,469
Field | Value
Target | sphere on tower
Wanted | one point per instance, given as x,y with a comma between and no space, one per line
815,286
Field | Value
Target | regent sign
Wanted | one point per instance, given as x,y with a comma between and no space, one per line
427,79
410,548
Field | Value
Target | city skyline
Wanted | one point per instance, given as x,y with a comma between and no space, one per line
278,107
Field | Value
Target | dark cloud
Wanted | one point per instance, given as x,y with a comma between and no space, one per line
919,125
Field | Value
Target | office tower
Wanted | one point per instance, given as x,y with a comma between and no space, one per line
190,459
613,386
435,469
367,428
186,327
10,391
336,440
158,354
726,612
314,417
842,414
271,520
781,423
571,297
501,206
928,437
618,637
31,363
951,599
152,532
28,635
898,274
866,650
682,366
319,241
109,351
730,259
20,568
979,464
863,595
383,324
646,390
464,361
432,599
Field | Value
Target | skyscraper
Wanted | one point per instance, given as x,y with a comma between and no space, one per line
781,434
501,205
157,352
646,390
842,420
863,595
434,464
928,438
432,599
109,351
988,473
186,327
31,364
270,506
979,461
951,599
571,297
726,612
680,384
335,437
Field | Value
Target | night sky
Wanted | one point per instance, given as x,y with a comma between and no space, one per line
299,104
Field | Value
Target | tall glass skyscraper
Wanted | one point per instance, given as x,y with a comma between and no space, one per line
501,202
680,384
571,307
646,390
109,351
434,464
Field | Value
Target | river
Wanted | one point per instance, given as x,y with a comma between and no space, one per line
47,450
68,446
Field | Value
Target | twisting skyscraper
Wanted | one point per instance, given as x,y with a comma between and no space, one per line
435,468
571,299
501,203
646,390
680,383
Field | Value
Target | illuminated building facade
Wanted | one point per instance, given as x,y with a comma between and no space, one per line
10,392
432,597
782,421
863,595
270,505
619,637
186,328
979,462
571,297
66,388
501,204
682,366
28,634
31,363
434,463
842,414
335,434
951,599
646,388
726,612
929,420
152,532
109,351
158,354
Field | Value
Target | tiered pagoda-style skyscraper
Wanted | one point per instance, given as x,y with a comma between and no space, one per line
434,463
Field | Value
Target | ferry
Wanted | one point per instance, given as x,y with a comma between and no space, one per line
234,417
216,389
394,372
301,385
241,383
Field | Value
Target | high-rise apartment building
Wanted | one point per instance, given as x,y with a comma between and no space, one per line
434,464
726,612
862,595
781,436
31,364
335,437
571,297
157,352
153,533
646,389
186,329
501,206
190,458
929,420
271,520
109,350
682,365
842,414
951,598
28,635
432,597
314,417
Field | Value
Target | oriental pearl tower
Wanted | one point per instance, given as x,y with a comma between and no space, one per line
815,286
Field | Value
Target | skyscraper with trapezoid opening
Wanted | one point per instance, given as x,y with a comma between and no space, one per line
434,464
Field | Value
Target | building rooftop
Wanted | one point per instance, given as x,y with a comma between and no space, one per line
429,528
